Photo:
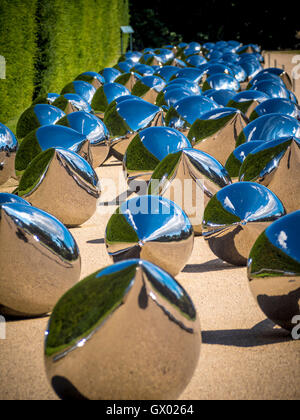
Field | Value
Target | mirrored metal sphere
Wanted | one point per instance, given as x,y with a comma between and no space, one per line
106,94
184,83
273,271
71,102
148,148
276,106
128,80
140,342
152,228
81,88
192,74
276,164
94,130
110,74
265,77
221,81
217,131
126,119
62,183
148,88
270,127
166,72
251,67
95,79
190,178
221,97
133,55
50,136
8,150
6,198
247,101
36,116
47,99
237,157
183,115
236,216
274,90
284,76
39,260
169,97
125,66
195,60
143,69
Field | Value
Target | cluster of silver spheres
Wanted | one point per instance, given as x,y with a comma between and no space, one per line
209,122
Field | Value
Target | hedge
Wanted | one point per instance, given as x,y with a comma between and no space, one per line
47,43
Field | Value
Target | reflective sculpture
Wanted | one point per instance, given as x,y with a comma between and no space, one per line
217,131
276,106
148,148
237,157
282,74
36,116
221,81
47,99
128,80
276,164
143,69
148,88
190,178
274,90
141,342
94,130
192,74
125,66
50,136
152,228
247,101
221,97
170,96
236,216
270,127
265,77
183,115
39,260
195,60
81,88
166,72
184,83
110,74
6,198
62,183
106,94
8,150
273,271
71,102
251,67
126,119
95,79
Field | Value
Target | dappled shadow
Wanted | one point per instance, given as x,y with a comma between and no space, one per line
96,241
213,265
262,334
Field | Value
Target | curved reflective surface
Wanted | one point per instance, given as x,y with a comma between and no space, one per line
128,80
148,87
273,271
72,102
217,131
6,198
148,148
282,74
222,81
274,90
39,260
221,97
270,127
127,118
110,74
166,72
62,183
81,88
191,74
247,101
94,130
126,333
95,79
8,149
236,216
276,106
189,178
237,157
106,94
153,228
172,96
275,164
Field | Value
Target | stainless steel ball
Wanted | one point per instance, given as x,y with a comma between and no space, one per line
126,332
152,228
39,260
236,216
273,271
8,150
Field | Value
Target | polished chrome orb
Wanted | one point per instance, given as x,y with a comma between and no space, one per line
276,164
148,87
186,111
152,228
128,80
125,119
6,198
273,271
47,99
125,66
50,136
217,131
276,106
236,216
284,76
221,81
274,90
166,72
94,130
192,74
265,77
81,88
110,74
106,94
148,148
195,60
37,116
190,178
62,183
39,260
8,150
72,102
127,332
144,70
237,157
221,97
170,96
95,79
247,101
